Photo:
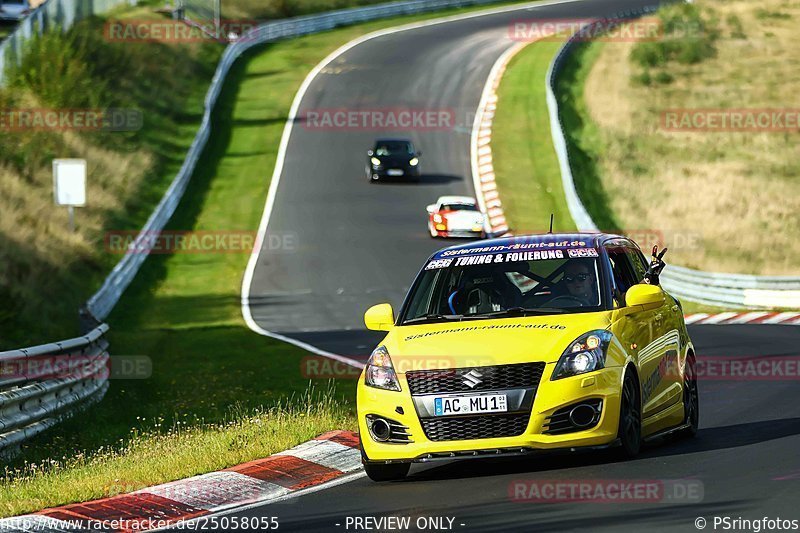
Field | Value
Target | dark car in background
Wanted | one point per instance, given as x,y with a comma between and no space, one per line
393,158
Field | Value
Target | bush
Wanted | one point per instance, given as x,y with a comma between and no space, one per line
643,78
663,77
687,38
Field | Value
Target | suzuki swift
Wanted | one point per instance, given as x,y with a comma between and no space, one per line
523,344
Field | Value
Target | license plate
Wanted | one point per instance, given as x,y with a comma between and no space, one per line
466,405
394,172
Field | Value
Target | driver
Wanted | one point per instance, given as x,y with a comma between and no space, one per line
579,280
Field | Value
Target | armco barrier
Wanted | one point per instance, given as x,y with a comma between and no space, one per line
103,301
730,290
37,391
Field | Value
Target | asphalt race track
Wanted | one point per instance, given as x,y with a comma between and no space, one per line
359,244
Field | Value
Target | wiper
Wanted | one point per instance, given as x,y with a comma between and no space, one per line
431,317
522,311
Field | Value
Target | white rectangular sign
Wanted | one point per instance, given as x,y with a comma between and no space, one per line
69,181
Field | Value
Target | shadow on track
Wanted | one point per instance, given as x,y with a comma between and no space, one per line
709,439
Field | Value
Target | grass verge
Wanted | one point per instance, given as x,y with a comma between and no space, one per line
182,311
526,166
525,163
720,193
179,452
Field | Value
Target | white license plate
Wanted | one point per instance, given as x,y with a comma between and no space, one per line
394,172
466,405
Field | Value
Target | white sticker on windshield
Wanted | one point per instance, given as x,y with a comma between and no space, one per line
438,263
582,252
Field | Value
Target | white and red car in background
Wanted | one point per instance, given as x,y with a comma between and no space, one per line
456,216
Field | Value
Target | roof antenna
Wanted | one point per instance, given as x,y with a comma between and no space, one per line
551,223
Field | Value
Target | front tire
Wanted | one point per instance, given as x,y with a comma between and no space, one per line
384,472
630,417
691,398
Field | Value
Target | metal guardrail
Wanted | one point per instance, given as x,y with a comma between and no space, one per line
732,290
42,385
103,301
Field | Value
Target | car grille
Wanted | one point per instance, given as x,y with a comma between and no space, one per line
524,375
475,427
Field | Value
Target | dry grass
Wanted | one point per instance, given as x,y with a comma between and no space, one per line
729,191
47,272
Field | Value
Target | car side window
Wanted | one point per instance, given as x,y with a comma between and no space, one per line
623,271
637,262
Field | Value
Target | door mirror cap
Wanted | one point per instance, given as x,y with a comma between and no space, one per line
431,209
643,297
379,317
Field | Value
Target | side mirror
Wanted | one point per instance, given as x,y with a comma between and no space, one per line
419,153
379,317
370,153
431,209
643,297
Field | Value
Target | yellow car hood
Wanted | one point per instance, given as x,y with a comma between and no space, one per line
454,344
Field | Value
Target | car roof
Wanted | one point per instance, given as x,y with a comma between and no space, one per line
456,200
391,140
549,240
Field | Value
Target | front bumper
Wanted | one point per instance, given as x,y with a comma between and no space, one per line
396,172
461,233
550,396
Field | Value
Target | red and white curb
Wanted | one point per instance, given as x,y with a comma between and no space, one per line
329,457
752,317
481,150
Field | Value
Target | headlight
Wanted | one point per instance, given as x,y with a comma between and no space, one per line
586,354
379,372
437,218
414,161
375,161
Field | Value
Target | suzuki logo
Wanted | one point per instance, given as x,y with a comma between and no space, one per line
472,379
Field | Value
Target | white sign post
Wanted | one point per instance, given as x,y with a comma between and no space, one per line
69,185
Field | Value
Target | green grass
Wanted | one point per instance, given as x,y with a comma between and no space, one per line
183,312
177,452
526,166
584,142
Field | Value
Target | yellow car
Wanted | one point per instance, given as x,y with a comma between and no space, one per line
522,344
